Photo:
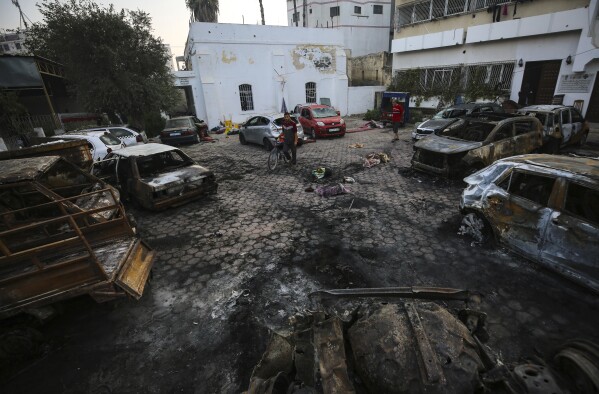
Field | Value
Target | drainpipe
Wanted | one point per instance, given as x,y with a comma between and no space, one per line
295,12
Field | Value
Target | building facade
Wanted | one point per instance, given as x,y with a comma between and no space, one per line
12,43
534,52
235,71
366,25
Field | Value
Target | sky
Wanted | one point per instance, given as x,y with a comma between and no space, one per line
170,18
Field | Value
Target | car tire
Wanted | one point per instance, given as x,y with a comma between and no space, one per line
197,139
312,133
479,226
300,142
267,144
242,139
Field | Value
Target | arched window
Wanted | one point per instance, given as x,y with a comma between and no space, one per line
246,98
310,92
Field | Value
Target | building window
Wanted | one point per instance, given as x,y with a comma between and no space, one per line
357,10
377,9
310,10
246,98
335,11
17,45
296,17
311,92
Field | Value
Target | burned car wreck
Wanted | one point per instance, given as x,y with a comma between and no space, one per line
156,176
64,233
398,343
543,207
472,143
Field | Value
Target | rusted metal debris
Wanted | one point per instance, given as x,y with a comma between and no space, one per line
411,347
77,152
418,292
63,233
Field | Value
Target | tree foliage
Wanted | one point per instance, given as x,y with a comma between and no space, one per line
473,87
112,61
203,10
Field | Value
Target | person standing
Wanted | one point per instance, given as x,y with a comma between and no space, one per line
396,118
289,137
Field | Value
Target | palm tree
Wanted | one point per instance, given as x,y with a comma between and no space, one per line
262,11
203,10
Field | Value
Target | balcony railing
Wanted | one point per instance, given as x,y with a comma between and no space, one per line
422,11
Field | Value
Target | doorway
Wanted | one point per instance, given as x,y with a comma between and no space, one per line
592,114
538,82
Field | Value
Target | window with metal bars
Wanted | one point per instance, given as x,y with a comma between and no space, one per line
357,10
421,11
335,11
310,92
246,98
377,9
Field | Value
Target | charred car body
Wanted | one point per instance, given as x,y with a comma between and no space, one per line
562,125
472,143
545,208
156,176
64,233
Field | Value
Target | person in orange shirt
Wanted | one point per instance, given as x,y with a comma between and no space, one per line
396,118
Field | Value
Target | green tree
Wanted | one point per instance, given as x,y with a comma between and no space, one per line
112,61
203,10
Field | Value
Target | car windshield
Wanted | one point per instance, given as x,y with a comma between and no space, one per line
279,121
324,112
109,139
467,131
151,165
541,116
175,123
450,113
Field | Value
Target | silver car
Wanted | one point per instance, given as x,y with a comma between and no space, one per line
265,129
544,207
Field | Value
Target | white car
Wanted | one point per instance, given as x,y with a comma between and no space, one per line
127,135
101,143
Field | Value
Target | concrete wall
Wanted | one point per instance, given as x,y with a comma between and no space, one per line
364,33
371,69
361,98
276,61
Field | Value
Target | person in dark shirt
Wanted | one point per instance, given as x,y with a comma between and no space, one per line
289,134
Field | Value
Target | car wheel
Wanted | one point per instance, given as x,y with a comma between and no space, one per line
197,139
311,133
476,226
242,139
267,144
300,142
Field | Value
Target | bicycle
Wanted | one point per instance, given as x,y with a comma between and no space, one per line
276,155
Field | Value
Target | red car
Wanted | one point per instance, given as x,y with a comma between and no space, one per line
321,121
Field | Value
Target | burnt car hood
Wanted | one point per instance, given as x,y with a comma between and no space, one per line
176,177
445,145
436,124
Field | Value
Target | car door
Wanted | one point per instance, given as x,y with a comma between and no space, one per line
502,142
527,136
252,130
518,210
566,125
264,128
571,238
577,122
126,136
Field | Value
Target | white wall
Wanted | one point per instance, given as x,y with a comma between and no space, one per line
361,98
276,61
364,33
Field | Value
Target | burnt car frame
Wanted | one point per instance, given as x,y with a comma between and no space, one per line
156,176
64,233
472,143
543,207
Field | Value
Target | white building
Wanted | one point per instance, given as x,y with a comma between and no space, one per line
543,48
366,25
236,71
12,43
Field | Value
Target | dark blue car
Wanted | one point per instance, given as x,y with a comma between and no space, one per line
182,130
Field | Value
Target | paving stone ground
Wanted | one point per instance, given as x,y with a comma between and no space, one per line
233,266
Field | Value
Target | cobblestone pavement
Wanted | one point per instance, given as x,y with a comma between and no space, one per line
235,265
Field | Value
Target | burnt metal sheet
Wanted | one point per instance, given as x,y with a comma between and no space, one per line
77,152
428,293
330,352
134,273
25,169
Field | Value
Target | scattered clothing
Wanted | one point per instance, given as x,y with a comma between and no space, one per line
374,159
356,146
348,179
332,190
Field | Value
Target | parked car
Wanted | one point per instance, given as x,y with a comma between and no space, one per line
101,143
449,115
156,176
321,121
561,125
183,130
544,207
265,129
127,135
472,143
64,233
